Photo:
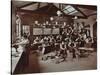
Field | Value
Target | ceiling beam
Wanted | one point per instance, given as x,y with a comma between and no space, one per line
50,6
88,7
79,10
59,6
42,9
92,14
84,17
34,12
27,4
38,5
48,13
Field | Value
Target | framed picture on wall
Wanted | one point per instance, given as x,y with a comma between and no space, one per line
64,37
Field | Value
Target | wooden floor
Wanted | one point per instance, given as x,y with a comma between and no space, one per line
36,65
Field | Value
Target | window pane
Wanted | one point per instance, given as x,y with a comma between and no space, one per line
73,12
70,9
65,11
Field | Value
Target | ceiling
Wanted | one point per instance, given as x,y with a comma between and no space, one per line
20,3
82,11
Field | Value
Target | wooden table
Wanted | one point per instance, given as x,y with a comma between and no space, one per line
84,50
15,60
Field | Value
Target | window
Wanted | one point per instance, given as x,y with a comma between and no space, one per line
26,29
37,31
69,10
